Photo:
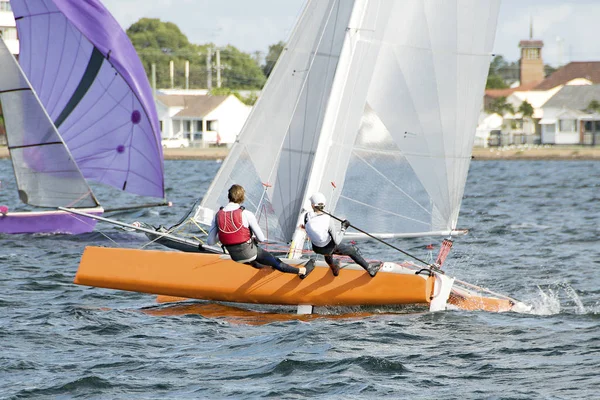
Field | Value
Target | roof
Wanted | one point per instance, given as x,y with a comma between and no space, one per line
578,69
495,93
574,97
531,43
175,100
201,106
193,105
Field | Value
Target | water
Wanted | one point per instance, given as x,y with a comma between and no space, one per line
534,235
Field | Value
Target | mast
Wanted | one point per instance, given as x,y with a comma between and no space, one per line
329,121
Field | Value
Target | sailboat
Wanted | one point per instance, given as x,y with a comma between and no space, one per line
93,86
373,103
46,174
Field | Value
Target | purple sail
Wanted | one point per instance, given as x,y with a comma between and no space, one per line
93,85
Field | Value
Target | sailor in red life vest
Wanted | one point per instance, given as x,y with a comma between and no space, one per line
326,239
234,226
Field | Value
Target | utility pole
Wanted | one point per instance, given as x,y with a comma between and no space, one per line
172,73
209,69
218,68
187,74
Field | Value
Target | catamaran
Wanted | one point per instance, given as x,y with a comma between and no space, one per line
373,103
93,86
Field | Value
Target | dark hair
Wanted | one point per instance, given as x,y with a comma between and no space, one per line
236,194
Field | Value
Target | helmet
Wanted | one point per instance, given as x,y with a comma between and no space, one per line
318,199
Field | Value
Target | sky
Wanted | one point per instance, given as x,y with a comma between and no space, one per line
568,28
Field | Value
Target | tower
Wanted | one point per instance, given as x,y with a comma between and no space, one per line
531,65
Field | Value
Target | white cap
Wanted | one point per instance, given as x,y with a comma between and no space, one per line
318,199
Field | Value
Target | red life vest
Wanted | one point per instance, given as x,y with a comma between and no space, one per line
231,228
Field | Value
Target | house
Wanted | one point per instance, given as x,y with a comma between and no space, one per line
571,116
488,130
539,92
203,119
8,27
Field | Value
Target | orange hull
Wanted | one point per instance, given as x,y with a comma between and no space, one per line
218,278
479,303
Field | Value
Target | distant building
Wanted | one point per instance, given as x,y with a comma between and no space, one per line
558,117
8,27
203,119
568,118
531,64
574,73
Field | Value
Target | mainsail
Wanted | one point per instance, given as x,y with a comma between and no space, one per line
45,172
375,104
93,85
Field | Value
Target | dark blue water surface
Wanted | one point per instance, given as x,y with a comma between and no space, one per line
534,235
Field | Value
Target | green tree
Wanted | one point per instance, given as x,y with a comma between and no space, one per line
526,109
594,106
160,43
272,57
248,100
502,73
495,82
548,70
500,106
240,70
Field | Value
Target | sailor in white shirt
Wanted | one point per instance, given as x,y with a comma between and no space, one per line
326,238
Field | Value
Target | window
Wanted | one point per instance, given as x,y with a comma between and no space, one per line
588,126
199,126
212,125
597,125
8,33
567,125
5,6
187,126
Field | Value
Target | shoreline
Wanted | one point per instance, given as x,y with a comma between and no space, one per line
494,153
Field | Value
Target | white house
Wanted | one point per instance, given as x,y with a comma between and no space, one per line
203,119
567,118
488,123
8,27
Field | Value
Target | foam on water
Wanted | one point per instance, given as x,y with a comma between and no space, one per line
557,298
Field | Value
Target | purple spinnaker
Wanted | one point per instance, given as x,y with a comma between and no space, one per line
93,85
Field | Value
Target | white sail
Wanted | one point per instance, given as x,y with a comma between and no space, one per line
402,167
277,145
45,172
374,103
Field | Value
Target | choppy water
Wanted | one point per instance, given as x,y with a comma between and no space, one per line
534,234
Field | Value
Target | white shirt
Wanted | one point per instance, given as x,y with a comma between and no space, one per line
248,220
321,229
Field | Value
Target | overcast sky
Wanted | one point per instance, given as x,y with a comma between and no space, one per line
568,28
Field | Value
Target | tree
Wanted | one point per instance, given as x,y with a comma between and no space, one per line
502,73
593,107
526,109
248,100
240,70
272,57
495,82
160,42
500,106
548,70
